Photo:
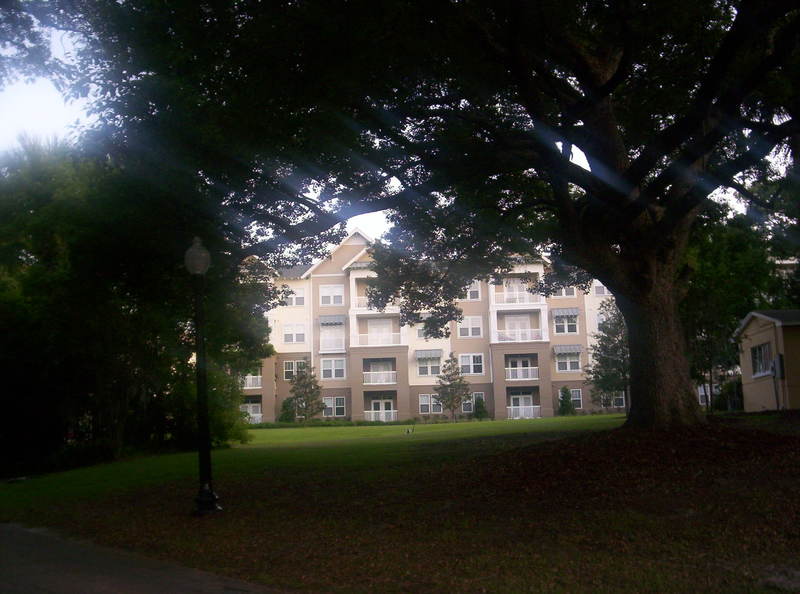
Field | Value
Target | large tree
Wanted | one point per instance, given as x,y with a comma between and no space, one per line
464,118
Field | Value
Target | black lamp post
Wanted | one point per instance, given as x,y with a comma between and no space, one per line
197,261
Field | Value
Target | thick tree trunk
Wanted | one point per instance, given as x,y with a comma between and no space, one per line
661,390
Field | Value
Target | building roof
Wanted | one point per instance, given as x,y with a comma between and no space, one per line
780,317
293,271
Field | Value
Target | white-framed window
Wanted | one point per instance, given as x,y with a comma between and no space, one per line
467,405
470,327
577,400
761,356
601,290
331,295
601,317
565,292
424,404
566,362
331,338
429,404
294,333
333,368
431,366
566,324
473,292
619,400
471,363
290,368
298,297
334,406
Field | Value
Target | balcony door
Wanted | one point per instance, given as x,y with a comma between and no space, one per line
522,400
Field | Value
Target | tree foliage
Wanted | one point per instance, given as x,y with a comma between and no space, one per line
452,389
609,364
306,394
96,310
565,405
465,123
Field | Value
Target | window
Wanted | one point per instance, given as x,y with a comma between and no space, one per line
601,317
470,327
298,298
565,292
331,295
332,368
761,357
294,333
290,368
334,406
429,404
467,403
473,292
424,404
566,324
430,366
601,290
471,364
568,362
619,399
331,338
577,401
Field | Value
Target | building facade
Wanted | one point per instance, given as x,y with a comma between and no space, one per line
515,348
769,355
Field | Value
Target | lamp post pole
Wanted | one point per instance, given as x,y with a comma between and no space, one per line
197,260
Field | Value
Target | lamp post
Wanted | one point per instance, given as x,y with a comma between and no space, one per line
197,260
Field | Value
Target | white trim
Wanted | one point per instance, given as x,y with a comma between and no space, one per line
355,232
568,370
461,325
340,274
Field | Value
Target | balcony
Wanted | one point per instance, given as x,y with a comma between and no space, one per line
524,412
522,373
380,415
331,345
378,339
519,335
251,381
518,297
380,377
254,418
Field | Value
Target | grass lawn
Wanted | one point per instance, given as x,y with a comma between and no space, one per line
548,505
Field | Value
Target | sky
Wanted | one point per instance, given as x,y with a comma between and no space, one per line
38,109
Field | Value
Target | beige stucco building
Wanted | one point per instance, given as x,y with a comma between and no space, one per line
769,355
515,348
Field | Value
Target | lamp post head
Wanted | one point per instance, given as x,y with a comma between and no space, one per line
197,259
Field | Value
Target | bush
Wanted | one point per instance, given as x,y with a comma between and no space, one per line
730,396
565,406
287,414
479,410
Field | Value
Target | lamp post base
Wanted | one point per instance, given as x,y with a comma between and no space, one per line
206,502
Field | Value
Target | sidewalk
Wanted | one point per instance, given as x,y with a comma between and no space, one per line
34,561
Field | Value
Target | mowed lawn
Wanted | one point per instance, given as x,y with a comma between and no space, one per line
547,505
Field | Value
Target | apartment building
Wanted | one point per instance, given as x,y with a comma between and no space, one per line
515,348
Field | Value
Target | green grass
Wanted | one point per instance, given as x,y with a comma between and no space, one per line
368,449
503,506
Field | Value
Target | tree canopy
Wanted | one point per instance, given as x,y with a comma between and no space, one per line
464,118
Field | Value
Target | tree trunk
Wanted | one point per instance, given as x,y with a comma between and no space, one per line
661,390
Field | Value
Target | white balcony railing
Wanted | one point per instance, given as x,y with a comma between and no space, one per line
254,418
378,339
380,415
331,344
380,377
519,335
251,381
524,412
518,297
522,373
362,302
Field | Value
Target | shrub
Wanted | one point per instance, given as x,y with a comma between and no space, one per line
287,413
565,406
479,410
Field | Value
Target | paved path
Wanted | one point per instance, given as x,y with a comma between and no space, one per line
37,561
